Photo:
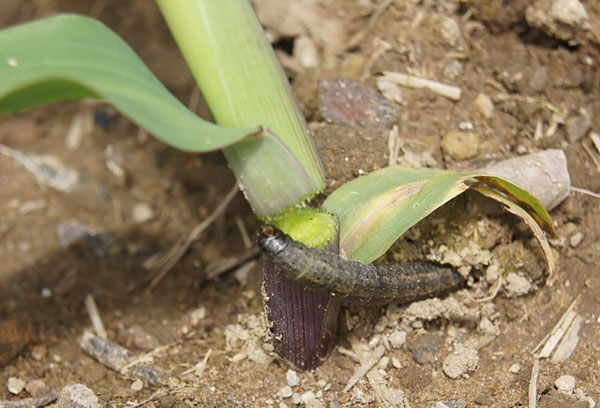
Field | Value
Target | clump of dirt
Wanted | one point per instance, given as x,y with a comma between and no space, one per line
528,81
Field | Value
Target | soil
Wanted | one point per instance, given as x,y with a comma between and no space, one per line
44,280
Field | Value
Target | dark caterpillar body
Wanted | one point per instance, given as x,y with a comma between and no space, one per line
352,281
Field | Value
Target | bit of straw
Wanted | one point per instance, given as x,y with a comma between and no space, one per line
410,81
167,261
92,310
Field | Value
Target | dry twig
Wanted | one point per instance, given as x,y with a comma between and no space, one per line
166,262
32,402
535,371
92,309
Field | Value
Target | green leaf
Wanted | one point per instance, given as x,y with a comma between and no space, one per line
69,57
376,209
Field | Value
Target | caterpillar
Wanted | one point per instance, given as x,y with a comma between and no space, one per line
355,282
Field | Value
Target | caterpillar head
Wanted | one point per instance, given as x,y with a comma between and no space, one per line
271,241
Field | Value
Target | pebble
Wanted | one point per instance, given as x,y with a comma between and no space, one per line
38,352
424,348
292,378
397,339
449,403
15,385
306,52
570,12
484,105
516,285
36,388
452,69
286,391
538,80
577,127
355,104
137,385
77,396
491,273
576,239
460,145
396,363
565,383
136,336
515,368
461,362
142,212
296,398
449,30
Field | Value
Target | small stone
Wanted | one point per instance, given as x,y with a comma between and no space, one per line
397,339
307,397
141,213
565,383
36,388
77,396
449,30
296,398
396,363
515,368
538,80
285,391
577,127
136,336
292,378
449,403
462,361
521,149
15,385
516,285
460,145
424,348
352,103
46,293
452,69
38,352
484,105
137,385
570,12
306,52
491,273
576,239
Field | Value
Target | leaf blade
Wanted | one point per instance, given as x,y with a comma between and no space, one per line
70,57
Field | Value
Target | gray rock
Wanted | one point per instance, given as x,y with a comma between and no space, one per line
78,396
354,104
577,127
449,403
424,348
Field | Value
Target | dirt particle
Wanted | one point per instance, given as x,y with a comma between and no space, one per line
36,388
460,145
577,127
484,105
285,391
137,385
515,368
576,239
397,339
461,362
516,285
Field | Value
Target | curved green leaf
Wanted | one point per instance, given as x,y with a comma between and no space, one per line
68,57
376,209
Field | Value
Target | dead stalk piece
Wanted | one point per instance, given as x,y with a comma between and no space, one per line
37,402
166,262
220,266
410,81
92,309
199,367
535,371
394,145
358,37
366,364
239,222
551,340
586,192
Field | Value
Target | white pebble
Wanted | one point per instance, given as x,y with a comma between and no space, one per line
142,212
515,368
397,339
576,239
565,383
396,363
484,105
285,391
137,385
292,378
15,385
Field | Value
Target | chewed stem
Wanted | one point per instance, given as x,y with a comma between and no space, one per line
354,282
